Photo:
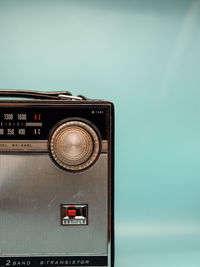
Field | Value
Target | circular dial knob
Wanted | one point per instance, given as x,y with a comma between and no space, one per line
74,145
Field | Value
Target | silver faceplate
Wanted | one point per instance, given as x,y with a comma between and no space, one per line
32,189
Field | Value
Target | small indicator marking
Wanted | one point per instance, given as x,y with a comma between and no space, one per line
37,117
35,124
76,214
37,131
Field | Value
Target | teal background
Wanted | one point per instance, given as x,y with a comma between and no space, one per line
144,56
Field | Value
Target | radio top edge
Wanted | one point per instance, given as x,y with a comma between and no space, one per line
15,95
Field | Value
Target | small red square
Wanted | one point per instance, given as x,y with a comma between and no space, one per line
71,213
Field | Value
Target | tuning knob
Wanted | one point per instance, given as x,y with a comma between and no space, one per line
74,145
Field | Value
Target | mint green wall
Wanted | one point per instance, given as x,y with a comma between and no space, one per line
144,56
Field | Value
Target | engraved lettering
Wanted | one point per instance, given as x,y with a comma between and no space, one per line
8,116
72,262
8,263
17,263
22,117
37,131
10,131
21,131
37,117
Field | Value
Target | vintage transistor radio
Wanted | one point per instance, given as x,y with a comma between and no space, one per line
56,180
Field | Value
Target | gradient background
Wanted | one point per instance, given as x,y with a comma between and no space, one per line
144,56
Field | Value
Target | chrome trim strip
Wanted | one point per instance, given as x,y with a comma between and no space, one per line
53,255
62,96
23,146
104,146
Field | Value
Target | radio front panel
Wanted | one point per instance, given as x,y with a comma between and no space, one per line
55,184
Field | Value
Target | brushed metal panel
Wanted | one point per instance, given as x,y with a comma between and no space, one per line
32,189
